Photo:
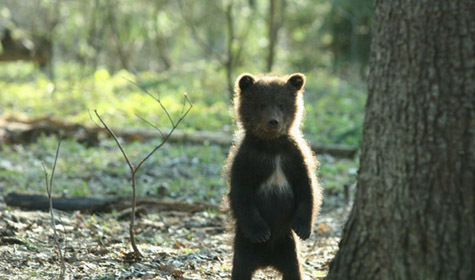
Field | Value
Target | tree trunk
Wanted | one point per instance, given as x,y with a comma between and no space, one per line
119,44
274,22
414,210
229,63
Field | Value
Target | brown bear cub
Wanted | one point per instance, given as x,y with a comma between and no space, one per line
274,193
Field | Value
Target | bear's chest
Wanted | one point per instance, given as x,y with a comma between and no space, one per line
277,183
275,199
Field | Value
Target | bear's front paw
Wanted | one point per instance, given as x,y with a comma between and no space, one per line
302,229
257,232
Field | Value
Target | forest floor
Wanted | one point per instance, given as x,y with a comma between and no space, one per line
175,245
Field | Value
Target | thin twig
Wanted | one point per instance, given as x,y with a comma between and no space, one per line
156,99
184,104
131,166
151,124
164,140
46,179
54,164
49,189
92,119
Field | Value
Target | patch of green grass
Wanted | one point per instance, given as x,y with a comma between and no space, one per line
182,171
335,173
334,107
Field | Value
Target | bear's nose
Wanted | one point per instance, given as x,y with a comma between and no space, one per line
273,123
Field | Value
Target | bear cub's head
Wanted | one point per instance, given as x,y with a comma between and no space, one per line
269,106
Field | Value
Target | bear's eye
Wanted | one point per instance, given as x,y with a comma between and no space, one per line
281,107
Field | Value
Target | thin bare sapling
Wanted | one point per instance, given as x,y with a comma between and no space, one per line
134,168
49,190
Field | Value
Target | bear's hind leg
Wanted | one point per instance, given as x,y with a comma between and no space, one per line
291,272
241,271
245,261
287,260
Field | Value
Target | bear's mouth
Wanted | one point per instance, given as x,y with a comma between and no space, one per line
271,132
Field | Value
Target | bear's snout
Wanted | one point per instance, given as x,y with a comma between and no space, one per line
273,123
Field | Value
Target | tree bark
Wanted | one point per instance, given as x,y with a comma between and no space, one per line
413,216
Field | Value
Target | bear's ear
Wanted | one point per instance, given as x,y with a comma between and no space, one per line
297,80
244,81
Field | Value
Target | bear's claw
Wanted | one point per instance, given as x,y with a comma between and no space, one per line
257,233
302,230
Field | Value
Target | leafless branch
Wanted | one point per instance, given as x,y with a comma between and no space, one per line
131,166
54,165
92,119
49,189
156,99
164,140
134,169
151,124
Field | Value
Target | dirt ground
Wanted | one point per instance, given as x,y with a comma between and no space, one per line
175,245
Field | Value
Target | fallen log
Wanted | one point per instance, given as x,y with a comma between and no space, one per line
15,129
21,130
225,139
33,201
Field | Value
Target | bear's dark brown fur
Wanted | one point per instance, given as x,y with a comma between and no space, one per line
273,191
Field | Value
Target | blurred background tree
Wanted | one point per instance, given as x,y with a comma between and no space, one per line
200,47
143,35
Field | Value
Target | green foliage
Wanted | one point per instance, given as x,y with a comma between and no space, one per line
334,110
142,35
347,26
334,107
303,21
334,174
191,172
71,97
182,171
